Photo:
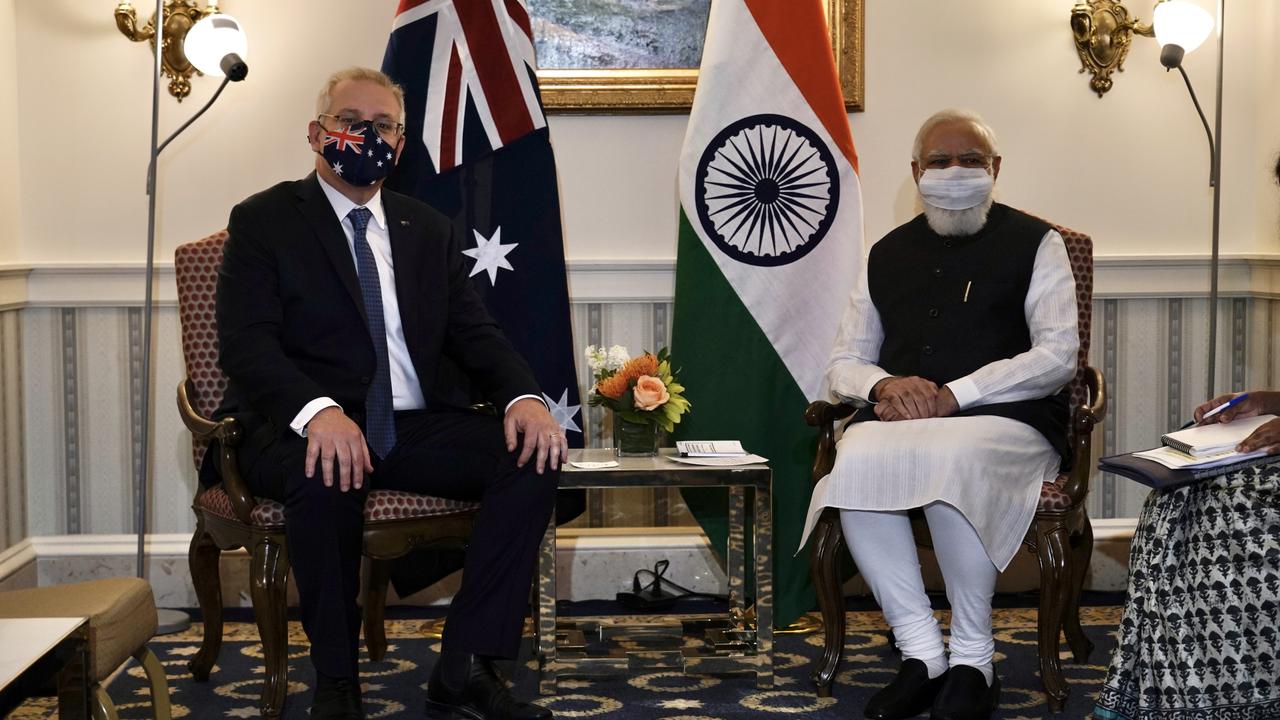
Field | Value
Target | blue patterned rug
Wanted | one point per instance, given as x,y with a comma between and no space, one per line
395,687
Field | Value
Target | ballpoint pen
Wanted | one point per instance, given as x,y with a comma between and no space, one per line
1230,403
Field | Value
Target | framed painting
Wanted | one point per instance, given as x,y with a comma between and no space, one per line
617,56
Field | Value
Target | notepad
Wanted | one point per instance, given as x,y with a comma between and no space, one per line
1214,438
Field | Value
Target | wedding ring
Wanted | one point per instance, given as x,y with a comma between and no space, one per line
553,436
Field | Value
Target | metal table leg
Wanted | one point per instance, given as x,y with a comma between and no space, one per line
762,545
545,623
736,558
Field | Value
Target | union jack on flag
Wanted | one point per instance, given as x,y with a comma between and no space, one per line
345,140
481,68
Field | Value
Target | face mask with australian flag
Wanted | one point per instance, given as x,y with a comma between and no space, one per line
358,154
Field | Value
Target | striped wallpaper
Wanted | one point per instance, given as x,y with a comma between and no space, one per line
70,386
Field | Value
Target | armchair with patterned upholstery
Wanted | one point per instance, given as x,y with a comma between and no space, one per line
228,516
1060,535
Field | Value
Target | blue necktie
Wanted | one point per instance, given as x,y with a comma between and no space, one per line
380,420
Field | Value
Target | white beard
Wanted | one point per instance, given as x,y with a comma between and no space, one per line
957,222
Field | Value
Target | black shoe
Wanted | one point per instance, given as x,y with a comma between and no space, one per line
965,695
337,699
483,696
910,693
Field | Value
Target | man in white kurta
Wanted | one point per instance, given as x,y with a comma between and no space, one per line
962,331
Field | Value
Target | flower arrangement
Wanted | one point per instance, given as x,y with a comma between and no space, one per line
641,389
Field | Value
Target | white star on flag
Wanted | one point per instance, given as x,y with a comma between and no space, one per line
490,254
379,163
562,411
337,168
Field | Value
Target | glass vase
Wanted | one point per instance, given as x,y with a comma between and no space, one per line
635,439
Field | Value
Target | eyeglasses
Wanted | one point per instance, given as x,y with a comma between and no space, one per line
388,130
968,160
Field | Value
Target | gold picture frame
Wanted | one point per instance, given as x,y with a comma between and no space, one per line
670,90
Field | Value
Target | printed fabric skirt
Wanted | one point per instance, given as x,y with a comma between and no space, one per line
1200,636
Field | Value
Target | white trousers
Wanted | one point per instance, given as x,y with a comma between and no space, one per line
885,552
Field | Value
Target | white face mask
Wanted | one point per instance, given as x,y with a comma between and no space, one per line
956,188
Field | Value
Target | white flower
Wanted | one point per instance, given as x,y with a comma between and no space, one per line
618,356
597,358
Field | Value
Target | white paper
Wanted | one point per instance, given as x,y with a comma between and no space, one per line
593,464
710,448
1177,460
719,461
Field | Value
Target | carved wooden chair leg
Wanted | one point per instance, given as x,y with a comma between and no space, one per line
203,557
268,576
1055,583
827,539
1081,554
375,608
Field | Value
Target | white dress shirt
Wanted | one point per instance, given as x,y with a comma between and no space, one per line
406,391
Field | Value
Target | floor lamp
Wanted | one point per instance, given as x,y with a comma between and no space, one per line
1181,26
216,46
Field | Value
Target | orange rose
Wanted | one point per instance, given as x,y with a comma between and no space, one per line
649,392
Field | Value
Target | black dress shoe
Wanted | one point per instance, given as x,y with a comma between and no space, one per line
966,696
337,699
483,696
910,693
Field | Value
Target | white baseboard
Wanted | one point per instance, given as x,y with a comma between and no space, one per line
591,564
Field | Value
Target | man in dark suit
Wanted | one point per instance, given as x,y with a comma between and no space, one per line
338,303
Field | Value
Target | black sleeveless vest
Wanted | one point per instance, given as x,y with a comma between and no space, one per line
950,305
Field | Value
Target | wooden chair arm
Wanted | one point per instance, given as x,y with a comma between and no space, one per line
1083,420
824,416
228,434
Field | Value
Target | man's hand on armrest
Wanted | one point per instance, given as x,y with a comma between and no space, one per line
336,441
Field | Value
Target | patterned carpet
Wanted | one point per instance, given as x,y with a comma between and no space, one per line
395,686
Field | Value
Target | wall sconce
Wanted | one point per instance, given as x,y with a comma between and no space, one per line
1102,30
179,17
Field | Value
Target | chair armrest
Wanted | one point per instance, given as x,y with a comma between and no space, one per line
228,434
824,416
1083,420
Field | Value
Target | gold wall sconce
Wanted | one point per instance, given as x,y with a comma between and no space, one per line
1102,30
179,17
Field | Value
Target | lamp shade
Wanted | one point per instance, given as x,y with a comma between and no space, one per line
1182,23
213,39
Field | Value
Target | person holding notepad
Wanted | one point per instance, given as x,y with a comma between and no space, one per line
1198,638
1199,634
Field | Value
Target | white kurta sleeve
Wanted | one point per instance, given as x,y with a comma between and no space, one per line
1051,315
852,369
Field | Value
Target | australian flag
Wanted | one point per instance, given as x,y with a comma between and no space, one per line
477,150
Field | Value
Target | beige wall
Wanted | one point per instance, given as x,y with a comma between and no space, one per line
9,199
1130,168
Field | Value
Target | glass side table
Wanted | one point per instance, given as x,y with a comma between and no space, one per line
719,644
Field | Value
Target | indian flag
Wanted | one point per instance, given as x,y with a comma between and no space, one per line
769,249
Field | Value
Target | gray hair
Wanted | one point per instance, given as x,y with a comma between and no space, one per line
358,74
951,115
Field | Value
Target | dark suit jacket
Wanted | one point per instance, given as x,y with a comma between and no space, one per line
291,322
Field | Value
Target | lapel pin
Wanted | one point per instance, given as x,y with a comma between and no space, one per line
404,223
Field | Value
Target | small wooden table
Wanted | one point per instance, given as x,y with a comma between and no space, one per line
36,650
733,644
